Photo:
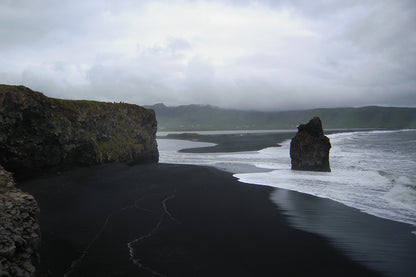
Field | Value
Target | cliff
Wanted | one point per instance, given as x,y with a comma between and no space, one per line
39,133
309,149
19,230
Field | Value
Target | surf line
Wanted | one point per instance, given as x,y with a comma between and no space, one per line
155,229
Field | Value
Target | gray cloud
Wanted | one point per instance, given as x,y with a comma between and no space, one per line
240,54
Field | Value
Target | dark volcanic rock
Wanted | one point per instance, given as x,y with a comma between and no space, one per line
41,133
309,149
19,230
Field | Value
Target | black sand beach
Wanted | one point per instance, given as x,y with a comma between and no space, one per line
175,220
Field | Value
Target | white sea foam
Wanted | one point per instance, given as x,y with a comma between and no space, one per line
371,171
402,193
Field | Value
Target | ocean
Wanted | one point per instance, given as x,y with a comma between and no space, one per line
372,171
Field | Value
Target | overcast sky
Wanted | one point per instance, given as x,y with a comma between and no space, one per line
270,55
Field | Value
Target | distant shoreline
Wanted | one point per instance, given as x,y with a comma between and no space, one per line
241,140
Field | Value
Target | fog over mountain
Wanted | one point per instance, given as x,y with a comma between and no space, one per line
262,55
197,117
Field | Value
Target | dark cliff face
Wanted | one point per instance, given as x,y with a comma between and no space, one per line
40,133
19,230
309,149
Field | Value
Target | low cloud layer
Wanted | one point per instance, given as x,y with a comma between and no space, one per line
272,55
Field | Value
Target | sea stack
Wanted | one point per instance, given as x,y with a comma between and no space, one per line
309,149
39,133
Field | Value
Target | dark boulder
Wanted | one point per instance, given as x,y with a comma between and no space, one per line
309,149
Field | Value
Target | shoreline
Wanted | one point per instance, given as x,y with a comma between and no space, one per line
180,221
245,140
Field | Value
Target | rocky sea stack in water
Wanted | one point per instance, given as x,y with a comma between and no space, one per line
39,133
309,149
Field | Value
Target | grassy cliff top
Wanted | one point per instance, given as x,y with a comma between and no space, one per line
22,91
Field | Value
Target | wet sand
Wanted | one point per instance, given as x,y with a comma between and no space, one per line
381,244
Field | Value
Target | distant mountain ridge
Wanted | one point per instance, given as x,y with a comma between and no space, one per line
205,117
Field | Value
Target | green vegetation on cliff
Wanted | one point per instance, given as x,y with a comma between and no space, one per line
197,117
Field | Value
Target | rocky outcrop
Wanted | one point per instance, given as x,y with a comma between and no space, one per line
19,230
309,149
40,133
